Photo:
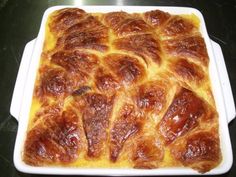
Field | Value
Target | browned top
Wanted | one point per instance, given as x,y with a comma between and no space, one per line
123,90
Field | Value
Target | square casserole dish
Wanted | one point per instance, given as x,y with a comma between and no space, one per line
218,81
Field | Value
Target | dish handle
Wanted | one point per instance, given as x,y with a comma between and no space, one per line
225,83
17,96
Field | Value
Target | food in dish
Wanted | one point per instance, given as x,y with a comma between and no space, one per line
122,90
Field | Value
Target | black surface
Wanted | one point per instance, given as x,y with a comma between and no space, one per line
20,21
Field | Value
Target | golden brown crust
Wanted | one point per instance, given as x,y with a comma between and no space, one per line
125,126
65,18
200,150
156,17
113,19
150,49
95,40
187,70
56,139
128,69
192,47
95,110
147,153
56,82
75,61
177,26
151,96
182,115
124,24
106,82
123,90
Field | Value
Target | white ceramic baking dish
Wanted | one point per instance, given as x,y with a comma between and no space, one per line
22,96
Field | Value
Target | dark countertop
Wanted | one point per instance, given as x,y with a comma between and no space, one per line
20,21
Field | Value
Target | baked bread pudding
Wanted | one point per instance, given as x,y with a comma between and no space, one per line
122,90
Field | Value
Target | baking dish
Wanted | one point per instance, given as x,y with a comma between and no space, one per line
27,72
